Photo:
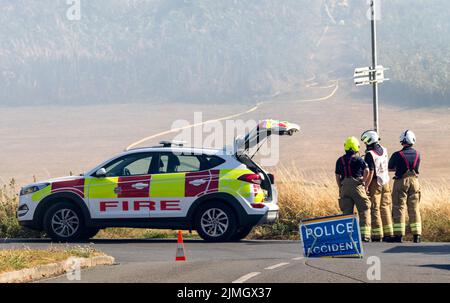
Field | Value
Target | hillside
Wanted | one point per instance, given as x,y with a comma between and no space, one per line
151,50
415,37
210,51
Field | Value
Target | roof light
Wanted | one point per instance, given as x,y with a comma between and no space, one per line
170,143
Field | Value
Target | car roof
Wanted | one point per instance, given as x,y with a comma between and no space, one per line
177,149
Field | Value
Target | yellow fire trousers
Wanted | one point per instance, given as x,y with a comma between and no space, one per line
353,193
381,210
406,199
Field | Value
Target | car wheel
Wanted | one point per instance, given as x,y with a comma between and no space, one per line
216,222
241,233
64,222
89,233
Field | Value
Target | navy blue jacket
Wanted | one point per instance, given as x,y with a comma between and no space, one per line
399,163
357,166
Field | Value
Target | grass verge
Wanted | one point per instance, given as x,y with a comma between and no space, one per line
17,259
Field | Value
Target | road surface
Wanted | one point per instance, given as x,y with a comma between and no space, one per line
256,262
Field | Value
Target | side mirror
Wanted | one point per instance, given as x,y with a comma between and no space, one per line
271,178
101,173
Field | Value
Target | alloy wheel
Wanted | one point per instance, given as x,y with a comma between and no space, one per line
214,222
65,223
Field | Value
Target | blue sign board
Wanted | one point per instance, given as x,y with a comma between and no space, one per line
336,236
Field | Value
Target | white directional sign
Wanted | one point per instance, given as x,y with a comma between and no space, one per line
362,75
362,72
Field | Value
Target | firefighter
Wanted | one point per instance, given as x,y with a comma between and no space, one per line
378,188
406,190
351,174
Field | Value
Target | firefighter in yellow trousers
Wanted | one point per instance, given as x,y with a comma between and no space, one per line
378,187
351,174
406,190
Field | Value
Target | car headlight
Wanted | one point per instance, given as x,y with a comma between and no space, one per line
33,188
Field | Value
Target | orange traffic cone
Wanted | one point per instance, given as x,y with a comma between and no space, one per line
181,256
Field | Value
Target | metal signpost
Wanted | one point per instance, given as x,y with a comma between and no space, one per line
375,74
373,23
335,236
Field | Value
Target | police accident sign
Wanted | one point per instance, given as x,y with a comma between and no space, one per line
336,236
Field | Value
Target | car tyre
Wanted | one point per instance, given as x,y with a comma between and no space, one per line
215,222
64,222
89,232
241,233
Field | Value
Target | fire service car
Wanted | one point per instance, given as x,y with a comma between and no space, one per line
220,194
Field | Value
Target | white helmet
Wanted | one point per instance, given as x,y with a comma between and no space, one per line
408,137
370,137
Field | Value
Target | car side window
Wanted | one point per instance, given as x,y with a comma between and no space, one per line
189,163
171,163
130,165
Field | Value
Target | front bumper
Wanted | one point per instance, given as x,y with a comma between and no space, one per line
31,224
26,218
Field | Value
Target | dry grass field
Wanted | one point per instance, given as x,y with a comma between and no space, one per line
52,141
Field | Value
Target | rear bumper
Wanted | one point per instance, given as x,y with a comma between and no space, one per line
269,218
272,214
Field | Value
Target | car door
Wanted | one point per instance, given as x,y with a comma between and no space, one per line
125,190
180,180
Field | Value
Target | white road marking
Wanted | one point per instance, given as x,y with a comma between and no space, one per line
277,265
298,258
246,277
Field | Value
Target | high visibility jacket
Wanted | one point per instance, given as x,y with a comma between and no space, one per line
381,166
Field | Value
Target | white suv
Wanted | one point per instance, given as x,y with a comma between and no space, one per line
222,196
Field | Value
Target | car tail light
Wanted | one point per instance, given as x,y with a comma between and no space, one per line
251,178
258,205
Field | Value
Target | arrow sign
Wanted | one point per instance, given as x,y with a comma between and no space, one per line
362,72
362,81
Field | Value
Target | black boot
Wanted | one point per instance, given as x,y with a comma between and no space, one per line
376,239
389,239
366,239
398,239
417,239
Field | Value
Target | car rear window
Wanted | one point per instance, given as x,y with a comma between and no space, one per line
211,162
172,163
